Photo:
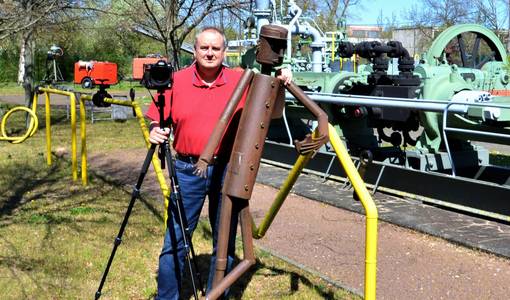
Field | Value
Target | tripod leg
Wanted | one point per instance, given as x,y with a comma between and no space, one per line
183,224
134,195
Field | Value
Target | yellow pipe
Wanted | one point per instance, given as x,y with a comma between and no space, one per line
370,209
287,185
48,127
32,127
74,161
83,135
156,164
145,132
72,98
361,190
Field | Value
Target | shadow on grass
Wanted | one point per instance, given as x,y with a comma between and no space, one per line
237,290
19,181
121,185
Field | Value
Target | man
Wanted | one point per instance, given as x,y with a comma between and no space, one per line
195,103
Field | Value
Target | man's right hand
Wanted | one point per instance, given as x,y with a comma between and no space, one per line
158,135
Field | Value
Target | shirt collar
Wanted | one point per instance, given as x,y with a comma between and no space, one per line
197,80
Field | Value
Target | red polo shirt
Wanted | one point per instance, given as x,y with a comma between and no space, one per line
196,108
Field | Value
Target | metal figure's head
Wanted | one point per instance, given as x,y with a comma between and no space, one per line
272,44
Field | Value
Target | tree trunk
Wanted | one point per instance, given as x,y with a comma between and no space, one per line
21,63
28,74
173,51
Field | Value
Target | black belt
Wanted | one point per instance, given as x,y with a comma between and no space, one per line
192,159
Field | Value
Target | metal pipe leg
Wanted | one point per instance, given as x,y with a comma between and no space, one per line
223,236
222,282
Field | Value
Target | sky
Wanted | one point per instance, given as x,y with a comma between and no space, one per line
369,12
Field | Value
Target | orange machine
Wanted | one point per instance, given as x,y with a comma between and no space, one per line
90,73
140,61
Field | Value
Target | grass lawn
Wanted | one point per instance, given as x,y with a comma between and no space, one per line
56,235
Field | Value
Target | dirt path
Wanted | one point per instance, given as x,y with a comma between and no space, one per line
330,241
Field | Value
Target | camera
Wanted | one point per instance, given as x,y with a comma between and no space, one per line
157,76
55,51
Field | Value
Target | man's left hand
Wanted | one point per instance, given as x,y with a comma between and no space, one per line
285,75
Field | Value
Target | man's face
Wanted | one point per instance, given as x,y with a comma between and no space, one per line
209,50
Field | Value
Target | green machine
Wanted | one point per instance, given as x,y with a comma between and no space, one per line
448,70
419,126
465,64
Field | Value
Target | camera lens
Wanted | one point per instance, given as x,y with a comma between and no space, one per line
158,75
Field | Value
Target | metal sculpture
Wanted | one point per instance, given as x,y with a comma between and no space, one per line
265,100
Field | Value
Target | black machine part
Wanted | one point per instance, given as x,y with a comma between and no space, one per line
379,83
98,98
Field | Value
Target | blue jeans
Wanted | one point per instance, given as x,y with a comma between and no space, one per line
194,189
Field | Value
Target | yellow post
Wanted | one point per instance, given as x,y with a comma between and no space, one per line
370,209
287,185
74,162
48,127
83,134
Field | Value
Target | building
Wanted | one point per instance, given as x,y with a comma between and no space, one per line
361,33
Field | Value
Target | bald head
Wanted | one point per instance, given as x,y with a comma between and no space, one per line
212,29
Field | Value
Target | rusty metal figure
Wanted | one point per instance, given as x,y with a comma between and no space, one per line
265,100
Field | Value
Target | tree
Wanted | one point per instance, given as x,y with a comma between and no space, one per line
330,11
440,13
26,18
170,22
388,24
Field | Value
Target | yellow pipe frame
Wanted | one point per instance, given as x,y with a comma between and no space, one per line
32,127
370,210
280,197
72,99
359,188
83,134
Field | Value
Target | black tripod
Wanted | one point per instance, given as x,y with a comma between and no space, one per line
164,154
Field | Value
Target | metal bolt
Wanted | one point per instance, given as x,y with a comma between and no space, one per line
256,145
252,168
267,104
262,125
246,187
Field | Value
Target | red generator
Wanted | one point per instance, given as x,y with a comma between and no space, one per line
139,62
90,73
